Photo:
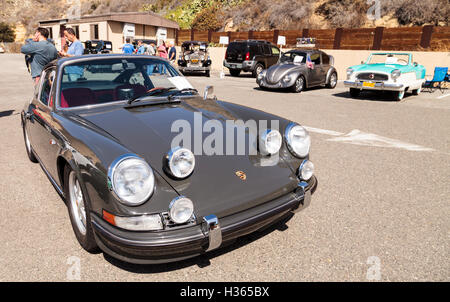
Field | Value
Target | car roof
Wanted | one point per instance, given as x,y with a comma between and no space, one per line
194,42
61,61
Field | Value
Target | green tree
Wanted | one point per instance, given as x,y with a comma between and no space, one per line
7,33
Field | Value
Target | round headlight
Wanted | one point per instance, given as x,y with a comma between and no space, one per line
270,142
180,162
349,72
181,209
306,170
131,179
186,58
287,79
261,75
298,140
395,74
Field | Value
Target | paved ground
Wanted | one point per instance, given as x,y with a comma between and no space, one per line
384,194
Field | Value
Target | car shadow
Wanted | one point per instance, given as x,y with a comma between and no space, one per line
372,96
7,113
203,260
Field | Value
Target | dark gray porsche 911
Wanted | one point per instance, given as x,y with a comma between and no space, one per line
300,69
103,129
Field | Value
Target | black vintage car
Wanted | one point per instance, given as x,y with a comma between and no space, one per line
250,56
97,47
300,69
194,57
108,143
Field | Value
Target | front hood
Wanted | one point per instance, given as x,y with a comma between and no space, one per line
214,186
276,72
381,68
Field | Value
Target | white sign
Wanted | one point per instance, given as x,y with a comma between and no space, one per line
281,40
223,40
180,82
129,30
161,33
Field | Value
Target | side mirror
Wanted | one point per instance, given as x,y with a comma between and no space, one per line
415,64
208,90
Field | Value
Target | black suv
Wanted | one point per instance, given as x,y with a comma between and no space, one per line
97,47
251,56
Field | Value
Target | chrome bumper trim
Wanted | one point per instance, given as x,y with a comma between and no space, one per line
378,86
305,197
211,228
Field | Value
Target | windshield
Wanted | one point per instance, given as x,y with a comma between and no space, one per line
389,59
290,56
108,80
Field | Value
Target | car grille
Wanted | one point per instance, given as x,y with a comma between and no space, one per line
372,76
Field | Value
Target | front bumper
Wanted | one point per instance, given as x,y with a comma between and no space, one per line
178,244
194,68
376,85
279,85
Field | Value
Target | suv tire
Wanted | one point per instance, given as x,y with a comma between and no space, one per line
235,72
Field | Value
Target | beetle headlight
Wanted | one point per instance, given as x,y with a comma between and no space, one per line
181,209
180,162
270,142
298,140
261,75
395,74
287,79
349,73
131,179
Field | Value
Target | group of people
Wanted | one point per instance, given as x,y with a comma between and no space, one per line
166,51
40,51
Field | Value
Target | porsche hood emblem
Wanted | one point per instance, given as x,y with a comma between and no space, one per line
241,175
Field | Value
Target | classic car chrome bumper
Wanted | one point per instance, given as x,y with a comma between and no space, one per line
211,233
377,85
194,68
279,85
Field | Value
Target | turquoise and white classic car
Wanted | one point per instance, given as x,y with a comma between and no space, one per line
394,72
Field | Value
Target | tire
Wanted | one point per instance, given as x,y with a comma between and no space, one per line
28,147
208,73
333,81
299,85
258,69
235,72
354,92
417,91
82,227
399,95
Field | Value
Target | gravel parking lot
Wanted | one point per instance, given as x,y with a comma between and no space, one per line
384,195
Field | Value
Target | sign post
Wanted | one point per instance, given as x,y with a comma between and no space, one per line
282,42
224,41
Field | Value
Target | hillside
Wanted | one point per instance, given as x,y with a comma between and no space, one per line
234,15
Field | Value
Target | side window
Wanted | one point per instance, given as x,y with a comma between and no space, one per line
137,78
315,58
267,49
275,50
46,87
325,59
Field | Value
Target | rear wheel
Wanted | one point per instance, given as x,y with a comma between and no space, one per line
299,85
354,93
333,81
79,210
235,72
28,147
258,69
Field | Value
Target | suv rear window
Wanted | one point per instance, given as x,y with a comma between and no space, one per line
237,47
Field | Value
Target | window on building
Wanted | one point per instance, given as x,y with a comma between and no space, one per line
94,32
50,30
77,31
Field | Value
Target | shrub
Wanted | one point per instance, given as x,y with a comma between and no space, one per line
207,19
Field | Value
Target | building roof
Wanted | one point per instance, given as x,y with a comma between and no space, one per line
145,18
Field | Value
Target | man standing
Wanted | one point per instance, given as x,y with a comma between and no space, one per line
41,52
75,49
172,53
127,48
141,48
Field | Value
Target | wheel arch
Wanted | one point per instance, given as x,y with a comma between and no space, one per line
329,73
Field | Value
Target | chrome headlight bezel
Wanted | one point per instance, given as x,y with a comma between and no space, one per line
117,166
295,150
274,147
287,78
395,74
186,58
170,165
262,74
350,71
306,170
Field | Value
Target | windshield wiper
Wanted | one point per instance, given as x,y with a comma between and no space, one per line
151,93
188,90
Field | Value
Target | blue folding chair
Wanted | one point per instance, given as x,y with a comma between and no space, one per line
440,74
